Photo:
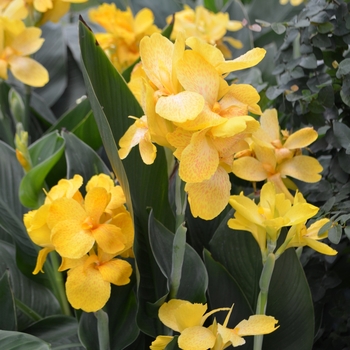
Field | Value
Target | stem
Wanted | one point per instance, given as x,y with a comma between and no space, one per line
180,201
57,283
27,98
102,330
264,284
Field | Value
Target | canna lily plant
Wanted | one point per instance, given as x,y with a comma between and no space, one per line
172,205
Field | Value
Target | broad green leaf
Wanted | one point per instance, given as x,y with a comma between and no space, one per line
81,159
19,341
58,330
173,344
342,134
290,302
6,122
53,55
239,253
224,291
194,279
87,331
112,102
122,308
7,303
44,154
32,295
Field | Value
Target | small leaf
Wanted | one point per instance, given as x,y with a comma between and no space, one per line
335,233
278,28
341,133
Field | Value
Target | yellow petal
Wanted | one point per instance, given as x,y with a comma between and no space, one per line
42,255
116,271
86,289
300,213
96,201
143,20
100,180
196,338
28,71
70,240
247,208
249,59
301,138
148,150
161,342
230,335
196,74
230,127
3,69
233,26
210,197
302,167
109,238
270,125
249,169
28,42
199,160
42,5
257,325
180,314
320,247
181,107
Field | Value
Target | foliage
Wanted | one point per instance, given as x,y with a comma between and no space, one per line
74,125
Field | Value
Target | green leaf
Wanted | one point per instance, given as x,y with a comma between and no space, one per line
210,5
44,154
58,330
53,56
335,234
19,341
81,159
32,295
87,331
290,302
7,304
224,291
278,28
239,253
343,68
6,124
341,133
17,107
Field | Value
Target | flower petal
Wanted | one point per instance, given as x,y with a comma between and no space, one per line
199,160
210,197
196,338
301,138
249,168
320,247
42,255
161,342
257,325
109,238
302,167
86,289
96,201
269,123
181,107
116,271
28,71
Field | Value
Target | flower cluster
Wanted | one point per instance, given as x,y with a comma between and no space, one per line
274,211
123,32
190,108
188,319
206,25
88,233
274,154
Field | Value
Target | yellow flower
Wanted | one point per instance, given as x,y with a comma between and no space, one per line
278,155
300,236
35,221
123,32
188,319
89,279
265,220
208,26
292,2
16,43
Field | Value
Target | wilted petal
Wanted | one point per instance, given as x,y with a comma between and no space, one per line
199,160
181,107
302,167
196,338
301,138
86,289
230,335
42,255
209,198
28,71
249,168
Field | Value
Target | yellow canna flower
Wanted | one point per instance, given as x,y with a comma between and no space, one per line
278,155
35,221
89,279
300,236
188,319
208,26
292,2
265,220
16,43
123,32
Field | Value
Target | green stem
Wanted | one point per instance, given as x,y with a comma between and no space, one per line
264,284
27,98
103,330
57,283
180,201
